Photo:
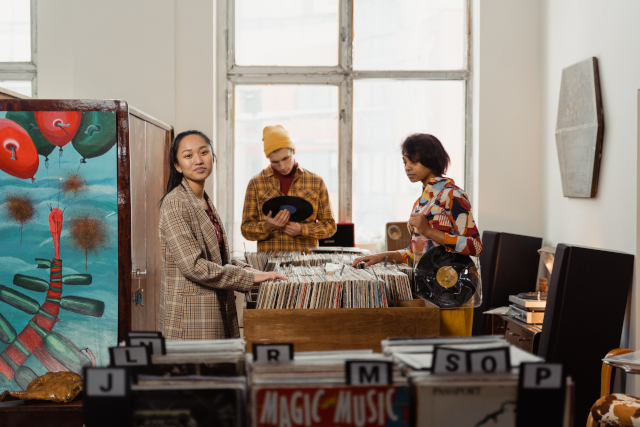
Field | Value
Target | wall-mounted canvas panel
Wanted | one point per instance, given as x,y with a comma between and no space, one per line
579,129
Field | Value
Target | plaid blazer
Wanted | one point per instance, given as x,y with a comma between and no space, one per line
306,185
196,297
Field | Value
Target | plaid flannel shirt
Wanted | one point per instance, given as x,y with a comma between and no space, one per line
307,185
198,280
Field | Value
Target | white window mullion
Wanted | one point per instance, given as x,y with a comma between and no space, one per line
344,45
34,86
231,35
17,67
417,75
266,71
468,155
225,184
345,142
279,78
345,151
34,36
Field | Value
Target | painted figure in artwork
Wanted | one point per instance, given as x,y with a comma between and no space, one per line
55,213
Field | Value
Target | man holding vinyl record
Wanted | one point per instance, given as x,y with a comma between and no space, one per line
286,207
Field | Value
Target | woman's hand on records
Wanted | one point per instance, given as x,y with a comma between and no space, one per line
262,276
369,260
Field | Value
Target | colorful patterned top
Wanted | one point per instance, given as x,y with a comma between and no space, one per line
450,212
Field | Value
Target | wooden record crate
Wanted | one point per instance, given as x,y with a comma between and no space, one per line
341,328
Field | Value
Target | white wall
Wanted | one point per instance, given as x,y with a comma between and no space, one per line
114,49
155,54
574,30
194,74
506,118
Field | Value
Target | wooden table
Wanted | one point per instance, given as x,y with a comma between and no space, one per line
41,414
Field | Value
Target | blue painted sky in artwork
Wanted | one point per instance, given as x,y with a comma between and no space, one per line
99,200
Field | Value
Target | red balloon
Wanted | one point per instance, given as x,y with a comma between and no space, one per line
18,153
59,127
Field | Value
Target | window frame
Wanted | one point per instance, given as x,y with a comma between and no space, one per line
228,75
25,71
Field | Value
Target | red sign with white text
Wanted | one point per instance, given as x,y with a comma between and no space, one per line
366,406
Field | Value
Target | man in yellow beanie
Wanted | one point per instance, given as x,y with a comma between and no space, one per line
283,177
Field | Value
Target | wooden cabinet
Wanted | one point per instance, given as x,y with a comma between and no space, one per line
42,414
150,144
520,334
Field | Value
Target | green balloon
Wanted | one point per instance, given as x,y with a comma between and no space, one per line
27,121
96,134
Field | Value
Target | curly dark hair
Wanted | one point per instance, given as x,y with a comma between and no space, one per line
428,150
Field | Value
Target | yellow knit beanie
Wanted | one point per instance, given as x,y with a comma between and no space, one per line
275,138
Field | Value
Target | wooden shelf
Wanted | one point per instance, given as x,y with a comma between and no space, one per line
42,414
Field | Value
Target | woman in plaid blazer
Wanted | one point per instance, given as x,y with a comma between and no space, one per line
198,274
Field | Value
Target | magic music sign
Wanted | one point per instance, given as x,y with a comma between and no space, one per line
360,406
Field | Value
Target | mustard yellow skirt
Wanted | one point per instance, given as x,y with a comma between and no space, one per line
456,322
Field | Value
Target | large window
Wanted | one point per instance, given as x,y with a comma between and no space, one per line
18,46
349,80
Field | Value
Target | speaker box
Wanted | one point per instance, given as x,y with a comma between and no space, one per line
583,320
397,236
508,266
343,237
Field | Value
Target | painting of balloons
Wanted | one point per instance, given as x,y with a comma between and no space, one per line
58,246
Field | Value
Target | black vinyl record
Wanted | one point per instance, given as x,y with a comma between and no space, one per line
446,279
299,208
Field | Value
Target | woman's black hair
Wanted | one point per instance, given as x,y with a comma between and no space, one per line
428,150
175,177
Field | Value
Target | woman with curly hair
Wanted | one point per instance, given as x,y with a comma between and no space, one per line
442,215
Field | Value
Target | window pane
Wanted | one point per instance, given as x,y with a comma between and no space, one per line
15,31
386,112
21,86
309,113
287,32
409,35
